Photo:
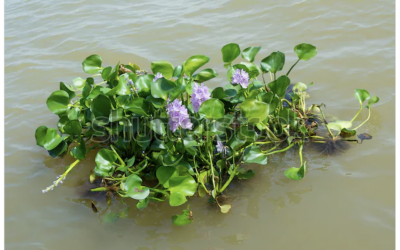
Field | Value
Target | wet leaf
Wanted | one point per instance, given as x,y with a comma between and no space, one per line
194,63
182,219
205,75
134,188
230,52
225,208
58,102
361,95
273,63
212,109
254,154
296,173
92,64
372,100
255,111
52,139
339,125
40,135
180,187
142,203
280,85
163,67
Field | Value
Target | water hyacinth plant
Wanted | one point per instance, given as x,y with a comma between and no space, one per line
164,136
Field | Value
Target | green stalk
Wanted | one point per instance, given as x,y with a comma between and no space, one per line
212,170
326,123
359,111
230,177
287,74
281,150
301,154
369,114
119,158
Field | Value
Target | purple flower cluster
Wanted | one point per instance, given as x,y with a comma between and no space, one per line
220,147
130,83
200,94
178,116
159,75
241,77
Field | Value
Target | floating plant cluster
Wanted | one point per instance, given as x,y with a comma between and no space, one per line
165,136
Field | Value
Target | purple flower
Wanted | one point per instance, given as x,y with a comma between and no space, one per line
159,75
241,77
220,147
178,116
200,94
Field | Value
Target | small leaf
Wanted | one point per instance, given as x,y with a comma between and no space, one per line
158,126
361,95
134,188
92,64
273,62
212,109
205,75
58,102
40,135
52,139
225,208
339,125
194,63
230,52
163,67
374,99
305,51
254,154
255,111
280,85
182,219
250,53
296,173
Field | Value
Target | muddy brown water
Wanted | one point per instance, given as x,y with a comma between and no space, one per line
344,202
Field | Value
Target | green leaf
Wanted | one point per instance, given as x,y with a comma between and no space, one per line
347,132
101,106
73,128
230,52
163,67
361,95
247,175
225,208
255,111
252,69
163,88
92,64
105,73
287,116
104,159
158,126
271,99
296,173
79,152
180,187
143,84
79,83
212,109
68,89
177,71
254,154
61,149
40,135
143,203
280,85
73,113
139,106
58,102
134,188
273,62
122,87
52,139
374,99
182,219
157,102
250,53
205,75
299,86
194,63
339,125
164,173
305,51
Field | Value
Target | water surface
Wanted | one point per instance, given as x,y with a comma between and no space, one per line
345,202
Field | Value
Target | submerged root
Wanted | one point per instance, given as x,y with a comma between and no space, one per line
331,146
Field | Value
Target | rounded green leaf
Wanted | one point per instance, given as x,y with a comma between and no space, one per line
296,173
254,154
255,111
139,106
158,126
104,162
143,84
52,139
58,102
61,149
122,87
252,69
374,99
205,75
79,83
182,219
180,187
163,67
40,135
79,152
287,115
280,85
230,52
273,62
92,64
305,51
194,63
163,88
73,128
68,89
164,173
225,208
101,106
134,188
339,125
361,95
212,109
250,53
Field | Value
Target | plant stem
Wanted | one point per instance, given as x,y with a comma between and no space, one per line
326,123
281,150
212,170
122,162
231,176
369,114
292,67
357,114
301,154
